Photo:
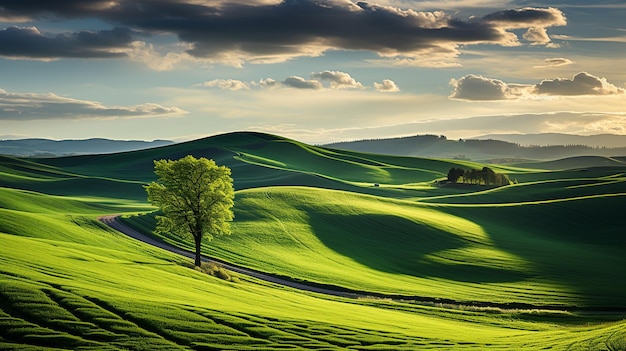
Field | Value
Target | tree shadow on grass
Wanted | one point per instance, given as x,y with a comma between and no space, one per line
398,245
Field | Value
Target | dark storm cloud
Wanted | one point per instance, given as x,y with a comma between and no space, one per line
29,42
35,9
281,30
528,17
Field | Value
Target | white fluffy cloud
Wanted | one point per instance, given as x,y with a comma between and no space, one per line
386,86
227,84
537,36
338,80
30,106
582,83
478,88
335,80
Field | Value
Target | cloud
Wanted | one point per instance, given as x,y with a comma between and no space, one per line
527,17
301,83
475,88
556,62
537,36
387,86
30,106
338,80
478,88
227,84
268,83
148,55
267,31
616,39
535,19
29,42
583,83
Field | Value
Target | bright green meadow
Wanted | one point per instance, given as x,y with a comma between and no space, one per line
531,266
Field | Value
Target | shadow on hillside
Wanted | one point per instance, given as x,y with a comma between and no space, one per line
397,245
578,245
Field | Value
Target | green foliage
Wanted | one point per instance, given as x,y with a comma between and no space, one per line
486,176
454,174
216,270
195,196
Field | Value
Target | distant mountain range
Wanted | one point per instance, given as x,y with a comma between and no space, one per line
548,139
50,148
494,148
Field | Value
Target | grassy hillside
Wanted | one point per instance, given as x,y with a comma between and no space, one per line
501,253
310,213
91,288
256,160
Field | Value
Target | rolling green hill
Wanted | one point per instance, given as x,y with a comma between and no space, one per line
314,214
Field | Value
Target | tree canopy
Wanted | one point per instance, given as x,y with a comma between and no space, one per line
195,197
486,176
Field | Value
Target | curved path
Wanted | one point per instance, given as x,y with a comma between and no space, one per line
114,222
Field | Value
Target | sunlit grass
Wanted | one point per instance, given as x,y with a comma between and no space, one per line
95,297
372,244
67,281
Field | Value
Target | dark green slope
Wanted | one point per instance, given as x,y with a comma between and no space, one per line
121,175
256,160
29,174
576,242
242,150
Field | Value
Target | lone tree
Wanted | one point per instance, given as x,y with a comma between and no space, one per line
195,197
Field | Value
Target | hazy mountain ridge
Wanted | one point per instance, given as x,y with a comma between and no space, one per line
489,148
49,147
548,139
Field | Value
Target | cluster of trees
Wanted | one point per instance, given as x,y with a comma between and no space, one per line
485,176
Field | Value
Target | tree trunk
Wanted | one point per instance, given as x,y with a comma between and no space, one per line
198,240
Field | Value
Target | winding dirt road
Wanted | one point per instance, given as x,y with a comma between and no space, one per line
114,222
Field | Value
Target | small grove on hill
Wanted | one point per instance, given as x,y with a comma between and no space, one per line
485,176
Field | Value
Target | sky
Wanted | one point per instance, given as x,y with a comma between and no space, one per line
317,71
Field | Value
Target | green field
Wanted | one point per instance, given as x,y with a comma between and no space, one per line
535,265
